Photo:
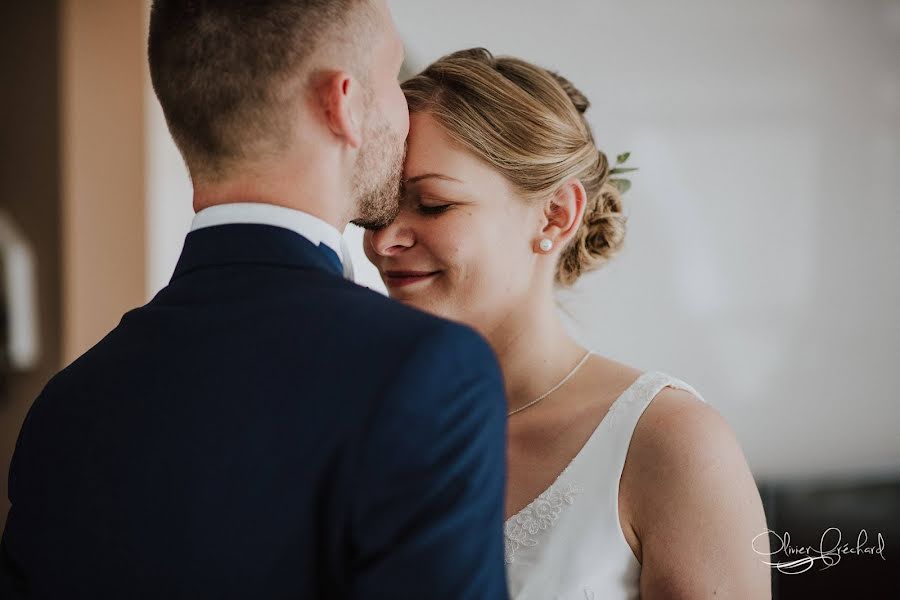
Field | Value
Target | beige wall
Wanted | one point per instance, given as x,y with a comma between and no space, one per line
102,80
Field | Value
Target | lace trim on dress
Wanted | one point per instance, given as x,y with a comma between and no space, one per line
636,392
641,390
522,529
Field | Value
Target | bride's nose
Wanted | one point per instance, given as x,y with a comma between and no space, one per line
393,239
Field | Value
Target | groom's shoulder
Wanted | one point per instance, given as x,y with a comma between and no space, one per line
375,314
392,329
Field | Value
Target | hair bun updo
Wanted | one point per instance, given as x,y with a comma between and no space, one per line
599,238
602,232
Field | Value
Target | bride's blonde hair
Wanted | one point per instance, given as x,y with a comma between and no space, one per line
527,123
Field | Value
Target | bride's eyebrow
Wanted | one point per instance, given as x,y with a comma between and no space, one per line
419,178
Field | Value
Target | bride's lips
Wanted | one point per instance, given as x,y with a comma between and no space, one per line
398,279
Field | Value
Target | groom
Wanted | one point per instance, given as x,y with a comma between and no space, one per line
264,428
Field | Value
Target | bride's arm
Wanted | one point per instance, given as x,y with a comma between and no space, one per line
693,505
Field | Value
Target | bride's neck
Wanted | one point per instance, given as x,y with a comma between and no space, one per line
534,350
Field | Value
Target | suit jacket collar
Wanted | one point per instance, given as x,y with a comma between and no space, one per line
236,244
309,226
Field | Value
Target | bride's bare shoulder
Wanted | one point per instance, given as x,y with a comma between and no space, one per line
677,438
676,416
687,484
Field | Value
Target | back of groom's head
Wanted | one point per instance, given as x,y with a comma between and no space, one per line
227,72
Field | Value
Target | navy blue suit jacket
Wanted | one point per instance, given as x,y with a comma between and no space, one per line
264,428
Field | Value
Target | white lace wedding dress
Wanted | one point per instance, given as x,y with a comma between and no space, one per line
568,543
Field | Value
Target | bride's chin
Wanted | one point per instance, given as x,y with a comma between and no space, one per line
418,301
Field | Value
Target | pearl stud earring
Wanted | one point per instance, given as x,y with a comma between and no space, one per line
546,244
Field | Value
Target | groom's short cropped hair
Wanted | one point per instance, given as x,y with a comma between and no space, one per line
226,72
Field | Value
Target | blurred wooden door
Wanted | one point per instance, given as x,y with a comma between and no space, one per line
30,190
73,82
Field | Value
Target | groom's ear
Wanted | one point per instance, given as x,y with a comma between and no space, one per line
564,211
339,97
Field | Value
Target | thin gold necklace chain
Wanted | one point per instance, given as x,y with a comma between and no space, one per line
555,387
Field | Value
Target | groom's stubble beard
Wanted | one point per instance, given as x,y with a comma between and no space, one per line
379,172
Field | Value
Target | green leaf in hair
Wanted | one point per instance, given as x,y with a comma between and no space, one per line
623,185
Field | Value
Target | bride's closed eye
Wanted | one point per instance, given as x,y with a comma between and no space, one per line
427,205
433,209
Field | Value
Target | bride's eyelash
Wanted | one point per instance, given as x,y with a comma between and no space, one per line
416,200
433,210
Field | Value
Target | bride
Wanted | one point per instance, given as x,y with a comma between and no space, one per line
621,482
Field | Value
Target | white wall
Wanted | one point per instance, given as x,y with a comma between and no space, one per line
764,244
169,198
762,257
